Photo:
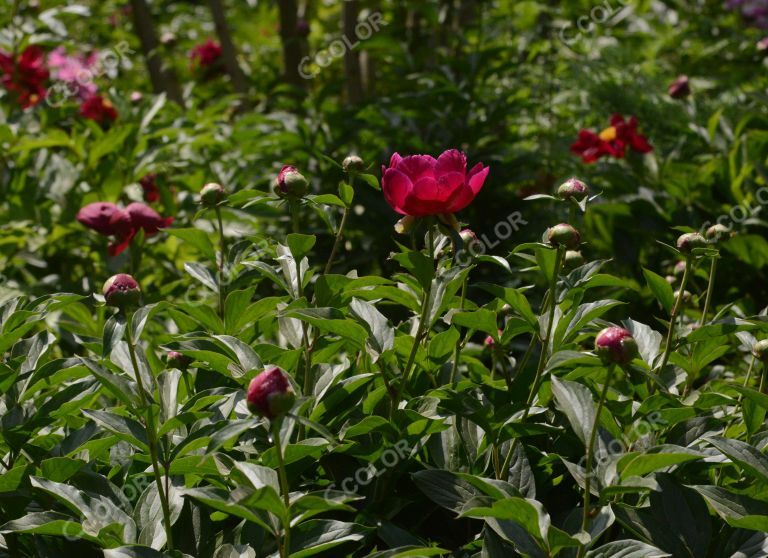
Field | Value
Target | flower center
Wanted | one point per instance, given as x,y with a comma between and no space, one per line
609,134
106,103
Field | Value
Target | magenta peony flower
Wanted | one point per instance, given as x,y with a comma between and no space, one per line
109,220
421,185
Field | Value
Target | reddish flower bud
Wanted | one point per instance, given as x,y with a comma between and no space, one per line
121,291
270,394
353,163
468,236
760,350
175,359
718,233
615,345
680,88
98,217
563,235
573,188
148,184
212,194
687,242
144,217
573,259
290,183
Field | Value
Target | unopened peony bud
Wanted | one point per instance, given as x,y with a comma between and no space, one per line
686,295
615,345
573,259
718,233
175,359
679,268
680,88
212,194
136,97
687,242
760,350
290,183
573,188
121,291
468,236
353,163
270,394
563,235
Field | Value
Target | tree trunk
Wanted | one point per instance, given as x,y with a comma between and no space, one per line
163,79
352,78
228,51
291,43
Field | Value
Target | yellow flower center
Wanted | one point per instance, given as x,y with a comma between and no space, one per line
609,134
33,98
106,103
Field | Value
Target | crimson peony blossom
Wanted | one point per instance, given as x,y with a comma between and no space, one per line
149,185
98,109
612,141
109,220
24,75
207,57
421,185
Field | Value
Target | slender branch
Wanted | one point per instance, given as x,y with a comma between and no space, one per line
284,489
673,316
337,242
152,441
228,50
710,289
590,457
222,250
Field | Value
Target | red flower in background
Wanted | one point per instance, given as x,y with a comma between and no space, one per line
207,57
109,220
98,109
149,185
421,185
24,76
613,141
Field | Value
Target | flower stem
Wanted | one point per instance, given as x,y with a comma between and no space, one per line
285,547
710,288
590,456
459,342
337,242
552,296
222,250
673,319
152,442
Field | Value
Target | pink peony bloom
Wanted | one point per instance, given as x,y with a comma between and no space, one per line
109,220
76,71
421,185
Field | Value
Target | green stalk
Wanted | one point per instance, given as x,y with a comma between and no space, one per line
673,319
152,441
337,242
590,457
285,547
421,330
459,342
710,288
543,357
222,248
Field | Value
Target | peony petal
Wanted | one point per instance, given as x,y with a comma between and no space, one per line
395,160
451,161
477,179
417,166
98,215
467,192
395,185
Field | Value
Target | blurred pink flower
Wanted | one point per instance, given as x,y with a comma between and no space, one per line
77,71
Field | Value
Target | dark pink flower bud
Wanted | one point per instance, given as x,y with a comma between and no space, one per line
144,217
270,394
212,194
468,236
563,235
98,217
760,350
121,291
680,88
175,359
687,242
615,345
573,188
290,183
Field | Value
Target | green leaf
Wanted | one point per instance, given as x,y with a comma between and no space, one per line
198,239
114,330
300,244
627,549
736,509
660,289
749,457
659,457
575,401
481,319
319,535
